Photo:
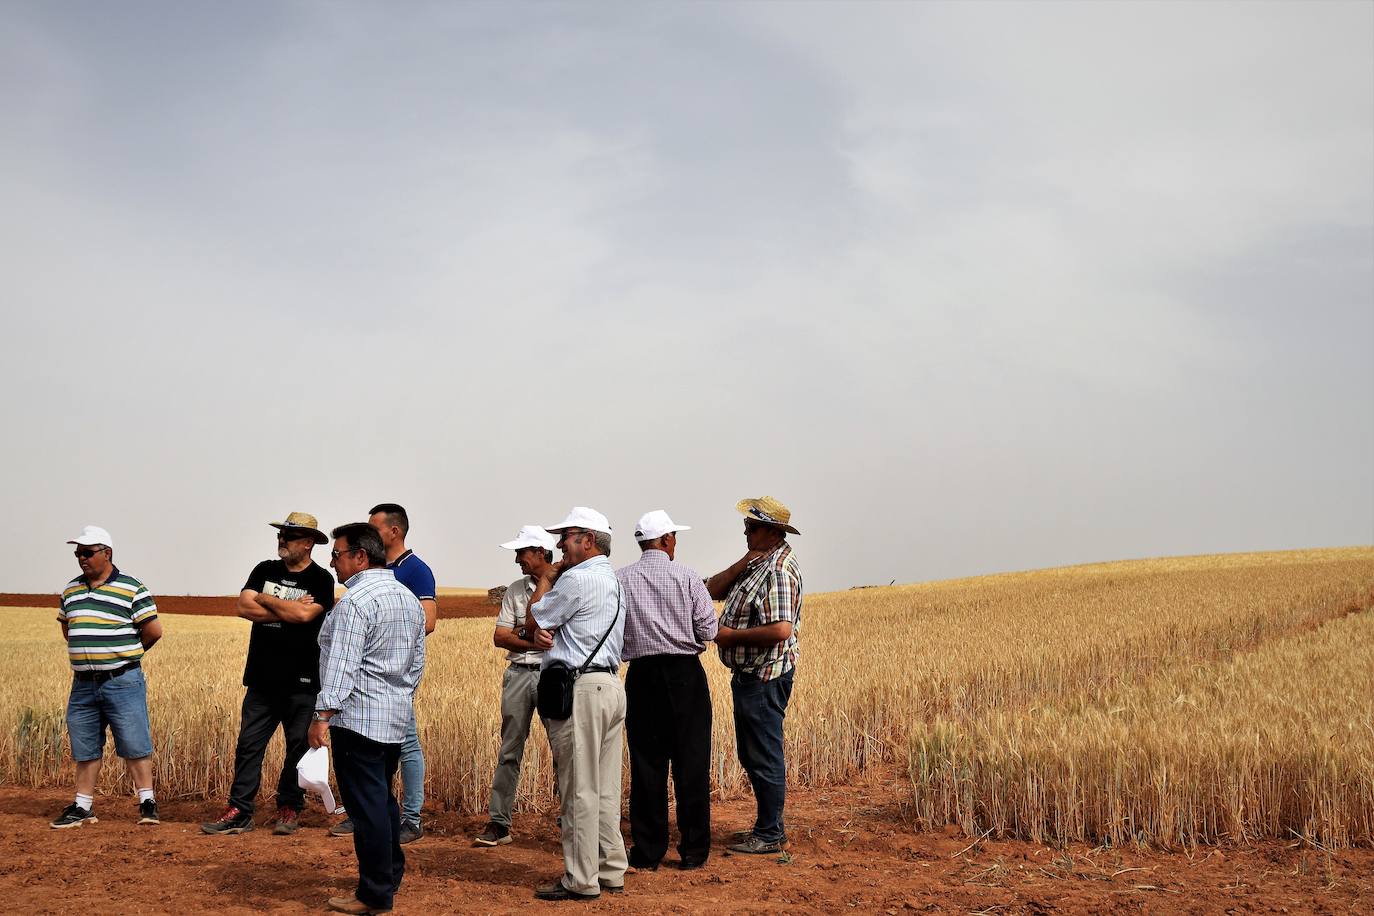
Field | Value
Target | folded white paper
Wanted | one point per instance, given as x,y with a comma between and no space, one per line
312,775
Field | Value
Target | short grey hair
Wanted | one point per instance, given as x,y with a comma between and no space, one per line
603,542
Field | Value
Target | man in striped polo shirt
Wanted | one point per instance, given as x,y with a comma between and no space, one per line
109,620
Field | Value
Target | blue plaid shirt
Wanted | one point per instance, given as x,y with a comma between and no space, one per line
372,653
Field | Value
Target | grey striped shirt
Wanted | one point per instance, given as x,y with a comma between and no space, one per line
372,653
579,608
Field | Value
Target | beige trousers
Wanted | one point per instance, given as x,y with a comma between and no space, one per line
587,758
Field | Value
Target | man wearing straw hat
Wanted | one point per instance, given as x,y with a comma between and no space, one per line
669,619
533,548
286,599
580,601
758,643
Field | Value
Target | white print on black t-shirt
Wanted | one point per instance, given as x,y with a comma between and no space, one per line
285,593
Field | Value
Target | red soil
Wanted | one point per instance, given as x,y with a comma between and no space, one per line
850,851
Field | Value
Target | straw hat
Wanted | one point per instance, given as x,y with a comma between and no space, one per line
768,510
302,521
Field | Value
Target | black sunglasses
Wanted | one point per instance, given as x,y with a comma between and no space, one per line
86,553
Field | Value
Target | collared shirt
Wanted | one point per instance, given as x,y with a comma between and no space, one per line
415,574
103,622
372,653
582,605
771,593
512,616
667,608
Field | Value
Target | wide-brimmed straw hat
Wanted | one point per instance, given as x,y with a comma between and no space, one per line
302,521
768,510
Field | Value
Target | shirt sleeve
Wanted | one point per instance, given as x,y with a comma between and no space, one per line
778,600
558,605
506,617
144,607
257,578
341,653
422,582
322,590
704,623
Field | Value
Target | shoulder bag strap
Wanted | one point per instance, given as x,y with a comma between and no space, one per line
602,640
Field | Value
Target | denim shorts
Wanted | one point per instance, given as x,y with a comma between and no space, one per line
122,704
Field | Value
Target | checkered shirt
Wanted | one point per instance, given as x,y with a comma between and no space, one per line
667,608
372,653
771,593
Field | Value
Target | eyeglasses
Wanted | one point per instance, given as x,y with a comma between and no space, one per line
85,553
335,554
292,536
570,533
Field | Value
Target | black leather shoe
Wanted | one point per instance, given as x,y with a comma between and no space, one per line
689,864
556,891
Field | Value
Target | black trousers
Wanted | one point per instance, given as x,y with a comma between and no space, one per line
668,724
263,711
364,769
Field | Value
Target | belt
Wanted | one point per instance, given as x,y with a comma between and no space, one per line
527,667
100,677
601,669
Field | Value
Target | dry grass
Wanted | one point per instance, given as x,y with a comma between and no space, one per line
1170,701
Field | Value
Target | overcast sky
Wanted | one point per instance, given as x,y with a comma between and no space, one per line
970,287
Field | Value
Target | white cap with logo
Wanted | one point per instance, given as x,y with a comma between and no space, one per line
532,536
582,517
654,525
92,535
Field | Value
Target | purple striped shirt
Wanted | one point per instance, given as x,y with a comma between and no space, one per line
667,609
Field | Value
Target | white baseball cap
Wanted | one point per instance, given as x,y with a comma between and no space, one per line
654,525
532,536
582,517
91,535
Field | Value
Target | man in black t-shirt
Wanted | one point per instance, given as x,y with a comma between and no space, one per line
286,599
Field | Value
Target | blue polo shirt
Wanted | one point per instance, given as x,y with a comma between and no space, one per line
415,574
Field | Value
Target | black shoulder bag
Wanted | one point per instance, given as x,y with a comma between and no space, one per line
556,679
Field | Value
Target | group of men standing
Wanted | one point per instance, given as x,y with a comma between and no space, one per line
658,615
346,672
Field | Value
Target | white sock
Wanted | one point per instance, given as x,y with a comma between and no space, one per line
85,801
145,795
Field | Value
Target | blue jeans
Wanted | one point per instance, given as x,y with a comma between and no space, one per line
365,769
412,774
760,707
119,702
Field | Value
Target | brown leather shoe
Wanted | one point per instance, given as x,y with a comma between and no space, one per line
352,904
556,891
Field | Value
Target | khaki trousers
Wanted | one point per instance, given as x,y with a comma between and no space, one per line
587,758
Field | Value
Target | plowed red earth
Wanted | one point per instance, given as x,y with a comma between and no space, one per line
850,852
450,606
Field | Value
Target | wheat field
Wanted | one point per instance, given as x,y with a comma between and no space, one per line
1170,702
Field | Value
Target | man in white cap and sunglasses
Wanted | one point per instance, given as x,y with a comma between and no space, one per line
286,600
109,620
533,548
669,619
578,611
757,640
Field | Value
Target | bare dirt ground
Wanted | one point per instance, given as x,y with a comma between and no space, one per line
850,852
450,606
